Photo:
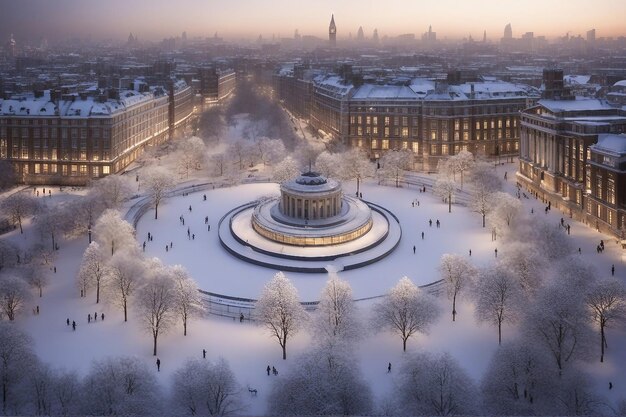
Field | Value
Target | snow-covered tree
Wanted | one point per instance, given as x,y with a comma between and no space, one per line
506,207
406,310
394,163
49,222
111,191
436,385
156,302
558,322
270,151
15,355
125,274
498,297
526,263
328,164
66,392
40,383
553,242
19,206
280,311
355,164
121,386
446,189
485,182
239,150
187,301
336,318
285,170
607,303
190,155
14,293
322,382
457,274
158,181
37,278
578,397
519,380
93,270
461,163
202,387
111,231
219,164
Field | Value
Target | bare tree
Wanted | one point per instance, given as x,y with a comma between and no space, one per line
461,163
526,263
279,309
111,231
607,304
329,164
238,150
66,391
125,274
37,279
9,254
436,385
355,165
520,380
187,301
156,302
498,297
111,191
14,293
15,354
93,270
157,182
457,273
557,321
485,183
121,386
19,206
406,310
220,163
270,151
49,222
7,175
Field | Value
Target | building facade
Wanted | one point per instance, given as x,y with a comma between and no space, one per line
55,138
559,139
216,85
433,119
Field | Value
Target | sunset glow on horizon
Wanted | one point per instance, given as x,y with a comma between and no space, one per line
451,19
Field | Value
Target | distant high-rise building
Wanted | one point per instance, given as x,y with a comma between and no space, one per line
430,36
508,31
332,32
10,46
296,35
485,36
360,36
591,35
375,36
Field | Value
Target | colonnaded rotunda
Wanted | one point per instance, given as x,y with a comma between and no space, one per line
311,227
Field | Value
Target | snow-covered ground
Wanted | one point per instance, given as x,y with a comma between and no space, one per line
248,347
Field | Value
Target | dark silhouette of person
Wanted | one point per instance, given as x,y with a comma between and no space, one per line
203,353
158,364
389,367
413,249
268,370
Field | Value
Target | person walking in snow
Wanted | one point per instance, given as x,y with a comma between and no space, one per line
422,235
413,249
430,222
102,315
613,270
88,318
268,370
203,353
68,321
389,368
95,316
73,325
158,364
496,252
438,224
190,209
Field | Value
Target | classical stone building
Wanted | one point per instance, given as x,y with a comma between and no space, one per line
558,138
55,138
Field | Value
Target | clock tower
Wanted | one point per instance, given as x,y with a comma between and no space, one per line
332,32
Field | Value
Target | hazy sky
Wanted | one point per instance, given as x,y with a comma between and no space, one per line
155,19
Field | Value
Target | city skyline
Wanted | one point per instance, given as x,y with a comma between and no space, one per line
247,19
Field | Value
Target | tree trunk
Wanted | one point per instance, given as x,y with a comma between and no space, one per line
53,245
358,185
112,247
125,312
500,333
483,219
155,335
156,211
184,327
19,220
602,343
40,292
404,344
97,292
449,202
454,307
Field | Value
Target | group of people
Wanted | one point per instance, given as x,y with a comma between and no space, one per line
272,370
36,191
95,317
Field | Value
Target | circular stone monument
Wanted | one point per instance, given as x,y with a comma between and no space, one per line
311,227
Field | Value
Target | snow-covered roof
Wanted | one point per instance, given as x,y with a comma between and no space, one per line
78,107
333,84
384,92
611,143
621,83
486,90
576,79
580,104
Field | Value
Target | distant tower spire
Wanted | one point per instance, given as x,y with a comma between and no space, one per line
332,32
485,36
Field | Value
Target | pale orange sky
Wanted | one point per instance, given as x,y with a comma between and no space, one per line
155,19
